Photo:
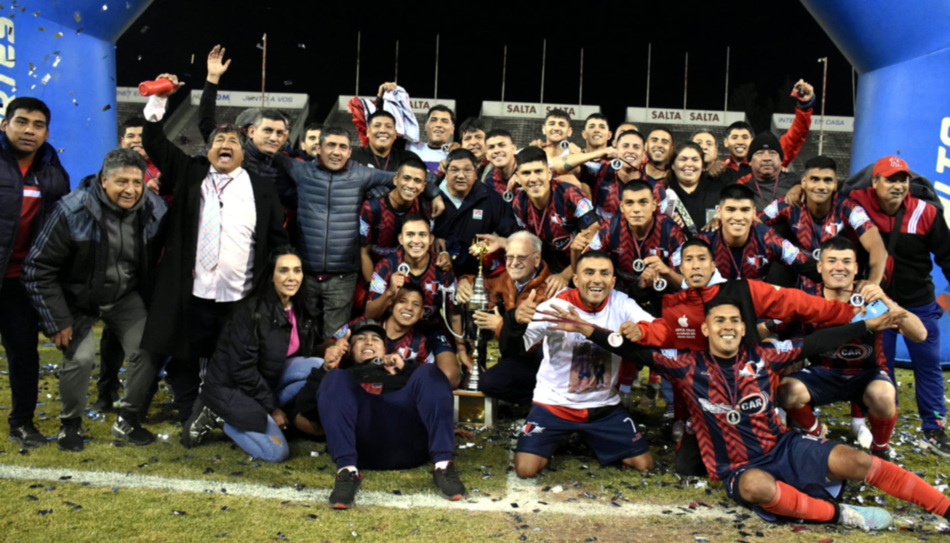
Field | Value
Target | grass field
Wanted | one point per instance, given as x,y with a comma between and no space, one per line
615,505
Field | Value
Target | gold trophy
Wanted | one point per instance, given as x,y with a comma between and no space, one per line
471,406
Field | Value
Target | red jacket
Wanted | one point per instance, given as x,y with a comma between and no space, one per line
792,141
680,327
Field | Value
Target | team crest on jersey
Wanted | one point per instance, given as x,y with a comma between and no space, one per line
833,228
429,286
751,369
756,260
531,428
556,219
407,354
789,252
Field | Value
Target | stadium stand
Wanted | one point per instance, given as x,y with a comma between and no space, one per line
837,140
341,116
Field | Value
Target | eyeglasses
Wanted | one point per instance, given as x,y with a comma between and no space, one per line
466,171
520,258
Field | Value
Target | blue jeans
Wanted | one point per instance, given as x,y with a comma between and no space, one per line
925,357
271,445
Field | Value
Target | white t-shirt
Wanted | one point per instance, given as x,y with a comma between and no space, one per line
432,157
576,372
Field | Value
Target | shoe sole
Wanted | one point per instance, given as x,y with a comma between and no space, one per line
119,435
924,444
67,449
452,498
24,444
342,506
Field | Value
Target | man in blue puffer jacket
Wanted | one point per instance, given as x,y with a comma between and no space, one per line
328,194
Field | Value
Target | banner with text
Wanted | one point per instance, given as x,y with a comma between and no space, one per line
683,116
277,100
129,94
527,110
783,121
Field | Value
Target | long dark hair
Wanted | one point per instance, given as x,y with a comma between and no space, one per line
265,293
670,180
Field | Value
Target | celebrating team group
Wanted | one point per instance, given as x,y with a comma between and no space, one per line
323,291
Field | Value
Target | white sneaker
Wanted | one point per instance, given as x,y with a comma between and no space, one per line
865,518
862,435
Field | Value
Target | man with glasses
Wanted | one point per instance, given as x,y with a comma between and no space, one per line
521,280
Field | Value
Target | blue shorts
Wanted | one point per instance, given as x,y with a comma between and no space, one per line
798,460
827,386
612,437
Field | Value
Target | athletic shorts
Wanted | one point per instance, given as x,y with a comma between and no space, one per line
827,386
612,437
798,460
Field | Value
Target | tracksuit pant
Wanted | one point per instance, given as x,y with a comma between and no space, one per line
394,430
19,333
925,356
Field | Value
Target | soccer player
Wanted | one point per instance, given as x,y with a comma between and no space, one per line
744,248
827,214
553,211
575,390
596,132
762,465
658,145
501,155
858,371
912,230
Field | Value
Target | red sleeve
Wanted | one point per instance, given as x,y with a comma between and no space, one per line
656,334
787,303
793,140
355,105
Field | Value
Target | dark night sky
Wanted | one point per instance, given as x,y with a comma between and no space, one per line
771,42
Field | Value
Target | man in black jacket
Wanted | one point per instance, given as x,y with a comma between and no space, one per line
94,260
398,412
31,182
239,219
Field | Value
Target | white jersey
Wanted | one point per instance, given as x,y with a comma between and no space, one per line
576,372
432,157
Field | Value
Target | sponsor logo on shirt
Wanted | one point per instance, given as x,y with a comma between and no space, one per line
683,321
753,404
477,214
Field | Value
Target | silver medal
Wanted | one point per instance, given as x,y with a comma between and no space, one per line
857,300
817,254
616,164
733,417
445,148
404,268
565,145
377,361
659,285
615,339
508,196
638,265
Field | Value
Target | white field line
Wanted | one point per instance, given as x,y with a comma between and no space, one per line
525,493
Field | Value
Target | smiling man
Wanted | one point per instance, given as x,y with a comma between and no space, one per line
380,153
237,216
501,155
768,181
311,140
912,230
596,132
94,261
130,137
658,145
575,389
440,125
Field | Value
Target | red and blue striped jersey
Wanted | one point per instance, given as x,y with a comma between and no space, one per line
567,213
497,181
712,391
429,281
381,223
605,187
846,216
413,346
663,239
753,259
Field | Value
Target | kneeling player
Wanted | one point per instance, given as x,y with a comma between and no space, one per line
858,371
742,441
575,390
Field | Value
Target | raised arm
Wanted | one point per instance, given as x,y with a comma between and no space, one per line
209,95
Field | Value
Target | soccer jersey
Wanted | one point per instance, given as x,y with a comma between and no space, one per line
568,212
845,217
751,261
576,373
413,346
663,238
381,223
605,185
431,156
429,281
496,179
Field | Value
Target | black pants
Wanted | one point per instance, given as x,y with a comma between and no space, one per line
512,379
19,331
184,374
111,357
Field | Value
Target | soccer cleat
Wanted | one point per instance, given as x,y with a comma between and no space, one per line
345,488
936,441
27,436
865,518
70,437
130,429
201,422
448,482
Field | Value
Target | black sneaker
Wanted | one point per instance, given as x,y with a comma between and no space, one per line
936,441
103,405
450,486
883,454
70,436
345,488
128,428
649,397
27,436
199,425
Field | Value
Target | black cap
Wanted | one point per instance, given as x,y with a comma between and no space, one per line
765,140
368,325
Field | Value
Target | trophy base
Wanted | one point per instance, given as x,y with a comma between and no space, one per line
473,407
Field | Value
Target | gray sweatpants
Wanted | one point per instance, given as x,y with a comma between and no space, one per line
126,319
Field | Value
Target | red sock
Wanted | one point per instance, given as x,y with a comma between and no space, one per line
856,411
789,502
900,483
804,417
628,372
881,430
654,378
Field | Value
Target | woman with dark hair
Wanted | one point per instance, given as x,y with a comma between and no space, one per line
265,353
698,192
